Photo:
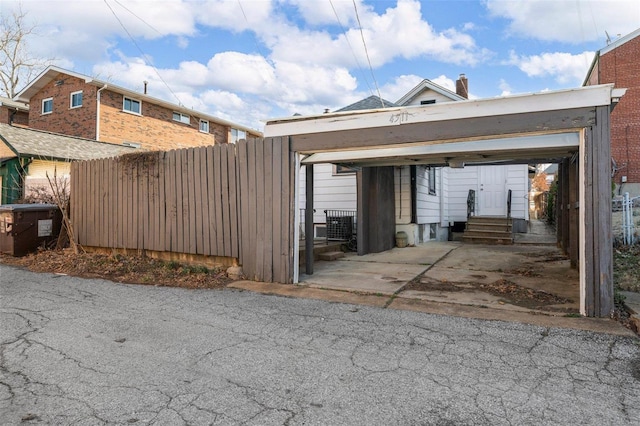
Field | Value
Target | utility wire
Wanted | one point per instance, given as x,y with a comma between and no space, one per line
144,55
259,49
139,18
353,52
367,53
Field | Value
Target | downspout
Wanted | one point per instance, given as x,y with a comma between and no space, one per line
98,111
442,201
414,194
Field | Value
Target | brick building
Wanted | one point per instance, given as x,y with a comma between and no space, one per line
12,112
619,63
69,103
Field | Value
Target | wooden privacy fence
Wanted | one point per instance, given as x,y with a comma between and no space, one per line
224,200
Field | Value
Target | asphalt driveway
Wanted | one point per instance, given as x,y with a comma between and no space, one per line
77,351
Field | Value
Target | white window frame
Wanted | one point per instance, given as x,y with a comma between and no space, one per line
71,105
205,122
44,101
124,101
235,138
182,118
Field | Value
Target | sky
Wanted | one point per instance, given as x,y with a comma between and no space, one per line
251,60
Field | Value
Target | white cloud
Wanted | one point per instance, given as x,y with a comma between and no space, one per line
567,20
397,88
565,68
504,87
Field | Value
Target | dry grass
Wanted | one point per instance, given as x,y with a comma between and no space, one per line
124,269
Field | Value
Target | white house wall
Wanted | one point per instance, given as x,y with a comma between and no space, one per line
518,183
402,180
462,180
428,205
330,191
429,95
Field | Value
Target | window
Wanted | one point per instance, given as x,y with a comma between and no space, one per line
339,169
131,105
431,177
237,134
204,126
183,118
47,106
76,99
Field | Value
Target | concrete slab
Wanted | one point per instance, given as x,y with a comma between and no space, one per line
423,254
598,325
632,302
379,278
496,258
470,298
306,292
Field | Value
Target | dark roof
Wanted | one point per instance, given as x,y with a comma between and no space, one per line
36,143
372,102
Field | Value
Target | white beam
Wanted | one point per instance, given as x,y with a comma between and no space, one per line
583,97
524,143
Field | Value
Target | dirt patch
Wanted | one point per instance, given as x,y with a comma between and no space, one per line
123,269
626,268
509,292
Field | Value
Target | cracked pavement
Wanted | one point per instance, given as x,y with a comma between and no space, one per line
85,352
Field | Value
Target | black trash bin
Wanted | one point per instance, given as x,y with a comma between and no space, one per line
25,227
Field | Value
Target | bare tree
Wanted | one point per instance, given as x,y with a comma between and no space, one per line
17,65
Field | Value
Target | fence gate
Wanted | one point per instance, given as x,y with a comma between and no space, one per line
266,176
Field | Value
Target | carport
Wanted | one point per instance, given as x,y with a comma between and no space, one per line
570,127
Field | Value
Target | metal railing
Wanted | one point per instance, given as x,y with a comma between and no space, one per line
509,204
471,203
628,226
341,225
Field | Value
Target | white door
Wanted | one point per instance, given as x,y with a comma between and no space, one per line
493,191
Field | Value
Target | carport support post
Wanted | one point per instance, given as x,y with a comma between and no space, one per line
573,213
308,220
564,200
596,251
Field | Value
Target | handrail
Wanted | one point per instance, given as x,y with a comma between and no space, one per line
509,204
471,203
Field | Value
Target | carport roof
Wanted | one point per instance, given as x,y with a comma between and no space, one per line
536,126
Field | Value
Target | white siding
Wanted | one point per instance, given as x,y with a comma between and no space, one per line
40,168
330,192
428,205
402,189
428,95
444,205
518,183
460,182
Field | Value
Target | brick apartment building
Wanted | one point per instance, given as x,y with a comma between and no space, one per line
69,103
12,112
619,63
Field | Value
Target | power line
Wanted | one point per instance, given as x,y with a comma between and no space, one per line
258,48
364,77
139,18
367,53
144,55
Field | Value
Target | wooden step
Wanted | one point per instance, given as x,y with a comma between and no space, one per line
488,240
330,255
488,230
488,233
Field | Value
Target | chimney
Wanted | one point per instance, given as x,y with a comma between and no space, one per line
462,86
145,86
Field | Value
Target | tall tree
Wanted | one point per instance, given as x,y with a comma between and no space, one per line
17,65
